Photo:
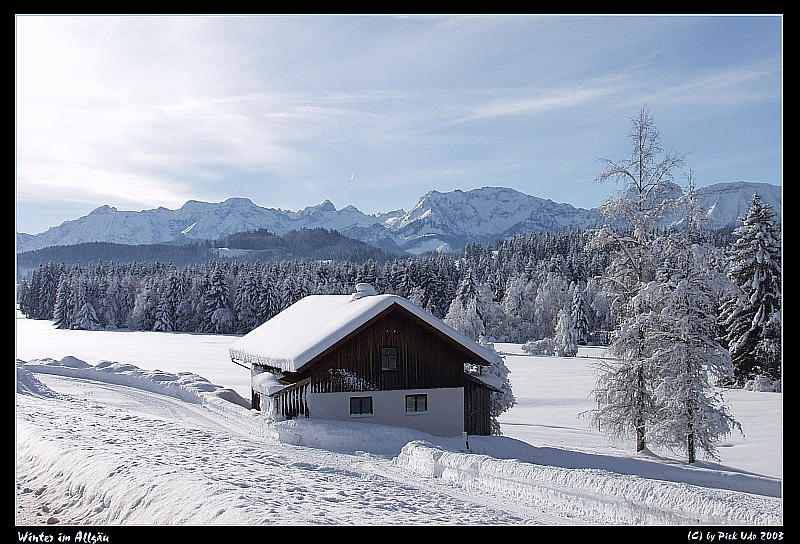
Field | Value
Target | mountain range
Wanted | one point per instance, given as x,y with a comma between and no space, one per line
438,222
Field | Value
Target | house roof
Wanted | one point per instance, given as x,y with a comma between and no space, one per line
306,329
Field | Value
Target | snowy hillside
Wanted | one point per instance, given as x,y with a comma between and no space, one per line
136,434
193,221
439,221
484,214
725,202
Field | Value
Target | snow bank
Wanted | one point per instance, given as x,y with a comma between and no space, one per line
587,493
186,386
27,384
353,437
763,384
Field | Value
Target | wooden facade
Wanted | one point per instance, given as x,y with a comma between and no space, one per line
477,406
425,358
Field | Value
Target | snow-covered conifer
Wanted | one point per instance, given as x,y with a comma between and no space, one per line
464,313
61,311
86,318
164,315
565,341
755,269
580,317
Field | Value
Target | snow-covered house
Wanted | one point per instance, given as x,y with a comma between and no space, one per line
374,358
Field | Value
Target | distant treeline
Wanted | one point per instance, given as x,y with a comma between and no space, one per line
260,245
232,296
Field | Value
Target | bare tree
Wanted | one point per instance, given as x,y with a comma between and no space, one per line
647,197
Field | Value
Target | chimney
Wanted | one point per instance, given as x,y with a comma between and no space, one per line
363,290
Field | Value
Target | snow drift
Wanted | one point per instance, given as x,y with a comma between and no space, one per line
588,493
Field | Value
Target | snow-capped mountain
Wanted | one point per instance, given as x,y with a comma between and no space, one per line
194,221
725,202
438,222
442,221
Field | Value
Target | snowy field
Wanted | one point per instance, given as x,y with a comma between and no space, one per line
146,428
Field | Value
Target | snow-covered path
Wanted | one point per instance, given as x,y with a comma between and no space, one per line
166,461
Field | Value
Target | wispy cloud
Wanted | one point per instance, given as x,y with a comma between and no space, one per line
735,86
544,101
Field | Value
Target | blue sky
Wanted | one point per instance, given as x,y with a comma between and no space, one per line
375,111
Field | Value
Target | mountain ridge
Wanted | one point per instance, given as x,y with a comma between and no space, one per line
440,221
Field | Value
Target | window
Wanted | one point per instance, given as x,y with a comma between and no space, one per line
388,358
416,403
360,406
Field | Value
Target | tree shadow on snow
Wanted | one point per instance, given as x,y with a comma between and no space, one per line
646,465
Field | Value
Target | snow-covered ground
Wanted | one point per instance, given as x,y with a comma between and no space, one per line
117,427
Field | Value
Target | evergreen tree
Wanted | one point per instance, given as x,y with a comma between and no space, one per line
86,318
219,318
24,297
61,317
142,316
580,317
690,412
50,274
464,313
30,305
164,315
245,302
566,339
752,317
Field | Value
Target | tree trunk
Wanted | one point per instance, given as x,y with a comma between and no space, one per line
640,417
639,436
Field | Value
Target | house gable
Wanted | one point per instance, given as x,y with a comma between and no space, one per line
425,357
313,326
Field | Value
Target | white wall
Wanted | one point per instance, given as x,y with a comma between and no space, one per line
444,417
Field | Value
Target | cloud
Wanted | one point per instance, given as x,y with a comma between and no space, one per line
549,100
734,86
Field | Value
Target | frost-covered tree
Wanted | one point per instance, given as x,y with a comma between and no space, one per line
565,342
750,318
143,314
625,384
463,316
62,315
216,303
86,318
690,412
502,400
648,196
164,315
519,306
580,317
245,302
463,313
552,296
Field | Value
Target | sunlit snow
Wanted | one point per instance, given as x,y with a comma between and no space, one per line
121,427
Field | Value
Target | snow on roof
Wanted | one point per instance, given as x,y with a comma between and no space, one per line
313,324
